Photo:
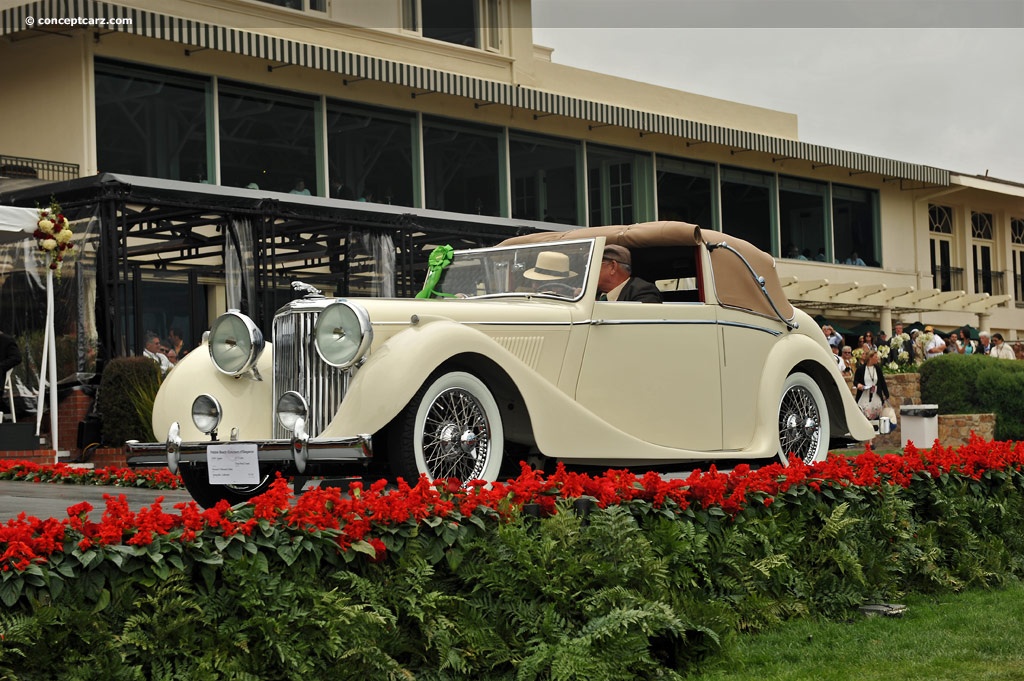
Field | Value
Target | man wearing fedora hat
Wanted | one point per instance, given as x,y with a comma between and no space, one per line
617,281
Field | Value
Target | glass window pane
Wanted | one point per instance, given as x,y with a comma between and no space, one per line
940,219
854,212
611,180
150,123
369,154
492,26
746,206
461,167
410,21
685,191
453,21
802,206
267,139
544,179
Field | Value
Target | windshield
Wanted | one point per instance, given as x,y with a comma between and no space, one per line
552,269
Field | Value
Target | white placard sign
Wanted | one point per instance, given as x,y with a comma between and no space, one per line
234,463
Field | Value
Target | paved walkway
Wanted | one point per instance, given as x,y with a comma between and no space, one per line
49,500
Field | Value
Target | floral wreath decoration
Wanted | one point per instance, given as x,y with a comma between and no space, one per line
53,236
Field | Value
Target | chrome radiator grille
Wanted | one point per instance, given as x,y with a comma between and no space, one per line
298,367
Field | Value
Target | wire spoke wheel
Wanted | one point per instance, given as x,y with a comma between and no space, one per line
803,420
456,436
451,429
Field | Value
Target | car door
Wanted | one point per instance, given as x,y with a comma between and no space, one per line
653,371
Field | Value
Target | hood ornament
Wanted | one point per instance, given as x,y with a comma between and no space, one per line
307,289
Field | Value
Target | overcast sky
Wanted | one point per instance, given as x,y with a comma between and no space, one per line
951,96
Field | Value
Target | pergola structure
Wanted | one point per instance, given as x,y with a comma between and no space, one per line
253,243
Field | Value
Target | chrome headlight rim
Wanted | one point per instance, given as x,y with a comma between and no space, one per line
206,413
291,408
359,317
251,344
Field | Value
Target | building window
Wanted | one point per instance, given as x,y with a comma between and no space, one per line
803,211
686,191
462,167
855,224
545,179
473,23
611,183
985,279
747,206
981,226
369,153
151,123
1017,256
267,140
945,277
315,5
940,219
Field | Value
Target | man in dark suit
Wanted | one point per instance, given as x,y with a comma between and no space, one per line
617,281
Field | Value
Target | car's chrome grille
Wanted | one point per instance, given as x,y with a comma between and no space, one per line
298,367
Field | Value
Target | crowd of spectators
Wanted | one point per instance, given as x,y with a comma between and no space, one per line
905,349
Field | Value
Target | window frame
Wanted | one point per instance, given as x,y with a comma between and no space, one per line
487,26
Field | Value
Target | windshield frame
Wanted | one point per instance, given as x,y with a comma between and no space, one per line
511,263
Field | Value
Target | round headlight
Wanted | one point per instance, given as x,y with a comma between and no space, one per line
206,413
290,408
235,343
343,334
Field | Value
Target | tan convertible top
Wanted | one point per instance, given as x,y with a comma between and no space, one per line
734,283
642,235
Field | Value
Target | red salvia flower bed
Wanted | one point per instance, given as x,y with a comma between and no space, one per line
366,513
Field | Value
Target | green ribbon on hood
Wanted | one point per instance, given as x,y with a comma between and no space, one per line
440,258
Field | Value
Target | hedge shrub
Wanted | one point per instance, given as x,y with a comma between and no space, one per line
125,402
972,384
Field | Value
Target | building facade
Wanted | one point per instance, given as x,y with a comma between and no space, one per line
435,108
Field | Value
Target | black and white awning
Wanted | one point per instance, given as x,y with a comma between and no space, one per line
196,34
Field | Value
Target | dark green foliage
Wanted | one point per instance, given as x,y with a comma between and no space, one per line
973,384
127,390
626,592
1000,390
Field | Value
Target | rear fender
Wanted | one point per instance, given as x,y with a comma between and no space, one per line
789,356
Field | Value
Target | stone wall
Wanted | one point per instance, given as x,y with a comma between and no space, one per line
954,429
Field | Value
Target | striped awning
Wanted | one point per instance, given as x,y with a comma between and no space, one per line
199,34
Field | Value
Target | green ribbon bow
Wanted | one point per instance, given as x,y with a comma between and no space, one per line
439,259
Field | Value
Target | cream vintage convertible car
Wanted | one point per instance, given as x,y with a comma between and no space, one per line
497,367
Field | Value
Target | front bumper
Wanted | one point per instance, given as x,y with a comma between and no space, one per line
300,451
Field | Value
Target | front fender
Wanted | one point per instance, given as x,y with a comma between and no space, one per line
246,402
397,369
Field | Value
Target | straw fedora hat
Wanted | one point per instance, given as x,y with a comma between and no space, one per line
550,265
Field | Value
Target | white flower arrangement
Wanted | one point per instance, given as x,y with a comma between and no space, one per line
53,236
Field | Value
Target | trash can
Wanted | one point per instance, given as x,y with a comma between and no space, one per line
919,424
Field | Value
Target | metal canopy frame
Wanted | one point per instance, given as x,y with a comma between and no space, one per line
170,228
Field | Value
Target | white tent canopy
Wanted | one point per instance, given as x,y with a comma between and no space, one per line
17,223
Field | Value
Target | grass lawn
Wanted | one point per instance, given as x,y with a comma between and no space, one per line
976,635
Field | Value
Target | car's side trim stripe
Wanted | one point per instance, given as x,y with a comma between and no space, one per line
617,322
632,322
